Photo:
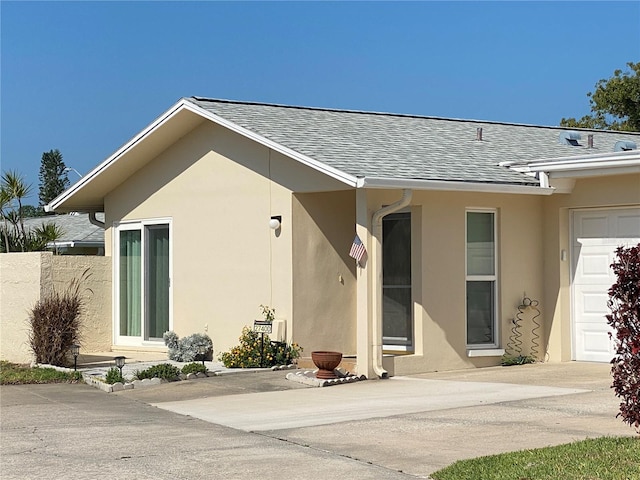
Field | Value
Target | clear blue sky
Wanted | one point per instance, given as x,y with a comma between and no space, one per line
84,77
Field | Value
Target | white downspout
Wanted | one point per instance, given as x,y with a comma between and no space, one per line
376,329
95,221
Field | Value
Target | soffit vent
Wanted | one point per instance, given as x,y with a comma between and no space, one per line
569,138
624,146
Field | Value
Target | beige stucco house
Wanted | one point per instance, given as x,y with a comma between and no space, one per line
460,219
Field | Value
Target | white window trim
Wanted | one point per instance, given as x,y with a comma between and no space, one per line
487,349
485,352
392,348
119,340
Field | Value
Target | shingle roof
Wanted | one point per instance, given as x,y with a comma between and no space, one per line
371,144
75,227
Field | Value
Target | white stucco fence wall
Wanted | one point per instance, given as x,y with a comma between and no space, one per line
26,277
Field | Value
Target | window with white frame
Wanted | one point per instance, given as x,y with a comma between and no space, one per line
143,281
481,278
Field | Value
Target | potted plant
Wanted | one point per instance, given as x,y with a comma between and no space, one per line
327,362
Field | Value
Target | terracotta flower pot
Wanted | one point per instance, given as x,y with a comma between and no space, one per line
326,362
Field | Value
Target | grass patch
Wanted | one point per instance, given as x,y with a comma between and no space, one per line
15,374
606,458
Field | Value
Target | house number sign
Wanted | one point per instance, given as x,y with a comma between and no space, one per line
261,326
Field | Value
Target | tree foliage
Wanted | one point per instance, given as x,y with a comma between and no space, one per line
624,302
14,237
53,178
615,103
13,190
29,211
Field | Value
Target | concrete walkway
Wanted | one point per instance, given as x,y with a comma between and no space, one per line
259,424
344,403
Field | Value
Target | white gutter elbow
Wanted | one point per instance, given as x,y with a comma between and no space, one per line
544,179
377,279
95,221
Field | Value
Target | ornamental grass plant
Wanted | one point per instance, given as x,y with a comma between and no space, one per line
55,322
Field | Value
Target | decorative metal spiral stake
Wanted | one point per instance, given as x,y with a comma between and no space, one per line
514,346
527,303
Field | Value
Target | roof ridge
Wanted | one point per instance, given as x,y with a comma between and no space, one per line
408,115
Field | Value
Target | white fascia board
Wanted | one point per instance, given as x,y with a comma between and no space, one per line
594,172
157,123
332,172
377,182
592,164
594,160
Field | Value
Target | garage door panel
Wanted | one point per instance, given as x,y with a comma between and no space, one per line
595,345
591,225
627,225
593,265
596,236
592,305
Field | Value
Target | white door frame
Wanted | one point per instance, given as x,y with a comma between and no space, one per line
138,225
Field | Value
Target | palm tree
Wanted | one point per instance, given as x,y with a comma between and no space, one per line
15,188
46,233
5,201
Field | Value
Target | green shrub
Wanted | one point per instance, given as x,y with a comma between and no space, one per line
508,360
194,367
248,353
114,376
164,371
55,323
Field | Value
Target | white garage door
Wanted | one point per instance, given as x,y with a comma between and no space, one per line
596,235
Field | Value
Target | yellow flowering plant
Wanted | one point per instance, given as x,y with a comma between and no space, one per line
248,354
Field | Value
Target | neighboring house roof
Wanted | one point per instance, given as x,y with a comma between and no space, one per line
361,149
77,231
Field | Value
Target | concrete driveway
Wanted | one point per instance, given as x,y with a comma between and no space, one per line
259,424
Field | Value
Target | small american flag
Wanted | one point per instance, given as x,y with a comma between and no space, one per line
357,249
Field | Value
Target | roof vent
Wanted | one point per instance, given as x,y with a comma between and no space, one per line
479,134
569,138
624,146
590,140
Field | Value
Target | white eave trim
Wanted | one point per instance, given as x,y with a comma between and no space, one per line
596,164
74,243
380,182
186,104
161,120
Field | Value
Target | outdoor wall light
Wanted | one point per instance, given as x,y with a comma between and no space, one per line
275,222
75,351
202,351
119,363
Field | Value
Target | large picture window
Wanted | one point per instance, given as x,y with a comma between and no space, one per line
143,280
481,279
